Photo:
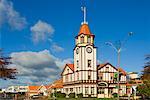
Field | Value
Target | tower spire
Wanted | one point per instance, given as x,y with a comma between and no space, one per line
84,15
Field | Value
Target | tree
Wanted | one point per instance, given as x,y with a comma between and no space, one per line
5,72
146,71
144,89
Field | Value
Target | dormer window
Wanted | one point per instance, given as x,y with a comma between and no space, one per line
82,39
89,39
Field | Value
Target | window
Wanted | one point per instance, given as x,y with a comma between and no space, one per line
79,90
100,91
66,78
89,63
101,78
82,39
110,91
89,75
92,90
76,89
71,90
77,63
89,39
67,90
86,90
111,78
67,70
71,77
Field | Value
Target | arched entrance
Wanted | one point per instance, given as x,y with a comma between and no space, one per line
102,90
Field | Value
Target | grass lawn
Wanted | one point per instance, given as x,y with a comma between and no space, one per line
83,99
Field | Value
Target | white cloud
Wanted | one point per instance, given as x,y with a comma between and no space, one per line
41,31
38,66
56,48
8,15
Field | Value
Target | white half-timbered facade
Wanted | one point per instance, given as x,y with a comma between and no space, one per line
107,83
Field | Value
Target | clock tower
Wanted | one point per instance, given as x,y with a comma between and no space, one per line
85,69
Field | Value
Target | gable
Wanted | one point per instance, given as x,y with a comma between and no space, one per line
107,67
42,87
69,68
111,68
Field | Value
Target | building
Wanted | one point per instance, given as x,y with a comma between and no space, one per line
16,89
38,90
84,75
56,86
133,75
107,83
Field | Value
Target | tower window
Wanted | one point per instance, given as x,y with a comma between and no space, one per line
89,75
77,63
89,39
82,39
89,63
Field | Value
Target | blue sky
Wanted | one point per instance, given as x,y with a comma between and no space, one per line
109,20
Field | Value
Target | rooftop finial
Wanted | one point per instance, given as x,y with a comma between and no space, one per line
84,15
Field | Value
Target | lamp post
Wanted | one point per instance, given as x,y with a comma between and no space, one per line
117,47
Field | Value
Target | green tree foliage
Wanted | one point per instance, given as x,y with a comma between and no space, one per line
146,71
144,89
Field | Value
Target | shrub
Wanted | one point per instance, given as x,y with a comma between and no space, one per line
72,95
80,95
115,95
59,95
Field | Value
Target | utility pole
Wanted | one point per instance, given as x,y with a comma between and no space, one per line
117,48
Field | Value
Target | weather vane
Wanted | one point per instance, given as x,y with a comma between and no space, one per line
84,15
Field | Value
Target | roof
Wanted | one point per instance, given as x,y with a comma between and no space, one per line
58,84
120,69
104,64
47,86
33,87
71,66
84,29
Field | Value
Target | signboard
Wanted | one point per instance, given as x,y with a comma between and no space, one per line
102,84
134,87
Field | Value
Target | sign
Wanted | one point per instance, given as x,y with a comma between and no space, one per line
134,87
102,84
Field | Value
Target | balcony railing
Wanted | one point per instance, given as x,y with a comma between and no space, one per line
80,81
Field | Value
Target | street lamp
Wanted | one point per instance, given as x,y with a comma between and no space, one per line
117,47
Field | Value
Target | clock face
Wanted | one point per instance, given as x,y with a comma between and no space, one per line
89,50
77,50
